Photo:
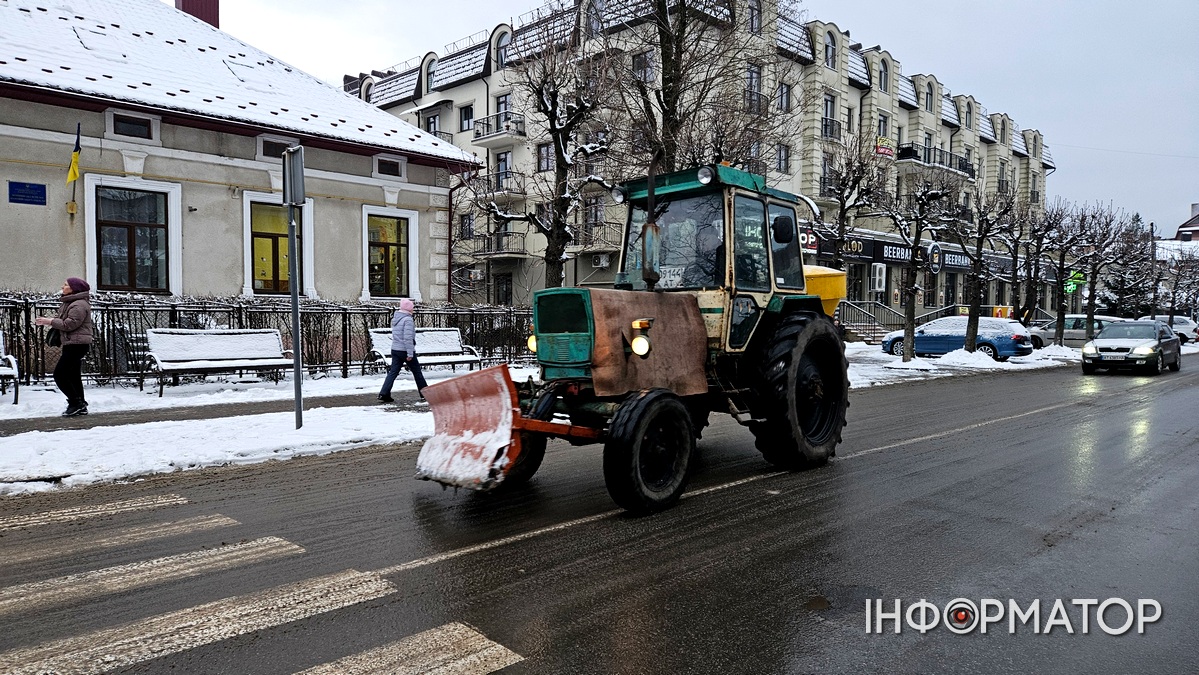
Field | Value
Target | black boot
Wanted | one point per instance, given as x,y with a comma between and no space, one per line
73,408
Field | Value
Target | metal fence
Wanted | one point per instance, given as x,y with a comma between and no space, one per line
335,338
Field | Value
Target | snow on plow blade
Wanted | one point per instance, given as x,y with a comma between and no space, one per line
474,438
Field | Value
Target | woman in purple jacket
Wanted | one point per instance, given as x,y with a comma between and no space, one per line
74,324
403,350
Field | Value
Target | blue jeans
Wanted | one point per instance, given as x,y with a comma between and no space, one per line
398,360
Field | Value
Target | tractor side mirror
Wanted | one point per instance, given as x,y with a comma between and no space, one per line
782,229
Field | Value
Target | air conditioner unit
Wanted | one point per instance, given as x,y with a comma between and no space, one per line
601,260
878,277
474,275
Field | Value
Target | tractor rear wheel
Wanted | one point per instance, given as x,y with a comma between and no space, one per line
806,392
648,452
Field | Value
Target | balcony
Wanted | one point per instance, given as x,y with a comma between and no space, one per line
502,245
754,165
930,156
443,135
503,183
597,237
828,187
1004,187
499,130
1034,196
830,129
756,103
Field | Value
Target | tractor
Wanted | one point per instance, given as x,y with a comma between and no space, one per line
712,310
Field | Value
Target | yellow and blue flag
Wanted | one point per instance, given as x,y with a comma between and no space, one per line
73,170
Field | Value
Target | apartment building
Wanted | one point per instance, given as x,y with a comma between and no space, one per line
836,86
179,130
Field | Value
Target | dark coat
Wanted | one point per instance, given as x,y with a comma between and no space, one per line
74,319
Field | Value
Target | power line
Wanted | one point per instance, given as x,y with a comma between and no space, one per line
1123,152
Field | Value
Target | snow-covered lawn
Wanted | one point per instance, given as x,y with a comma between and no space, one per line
38,461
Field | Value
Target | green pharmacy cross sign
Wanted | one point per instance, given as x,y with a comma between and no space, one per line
1074,281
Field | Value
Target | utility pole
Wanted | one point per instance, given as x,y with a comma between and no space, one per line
1156,268
293,195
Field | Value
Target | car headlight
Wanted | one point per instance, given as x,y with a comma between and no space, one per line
1089,348
1145,350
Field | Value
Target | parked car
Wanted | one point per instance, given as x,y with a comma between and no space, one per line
1184,327
1149,346
1075,333
997,338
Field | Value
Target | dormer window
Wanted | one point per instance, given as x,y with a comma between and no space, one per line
120,125
755,17
502,45
429,76
595,18
830,50
1003,131
884,76
928,97
969,115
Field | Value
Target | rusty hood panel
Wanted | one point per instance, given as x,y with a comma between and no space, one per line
678,336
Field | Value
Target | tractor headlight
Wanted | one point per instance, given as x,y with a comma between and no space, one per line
705,175
532,343
618,195
640,345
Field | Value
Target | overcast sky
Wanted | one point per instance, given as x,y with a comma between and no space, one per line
1113,86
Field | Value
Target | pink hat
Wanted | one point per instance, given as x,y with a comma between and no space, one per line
407,305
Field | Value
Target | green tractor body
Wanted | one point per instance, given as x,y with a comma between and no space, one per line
713,310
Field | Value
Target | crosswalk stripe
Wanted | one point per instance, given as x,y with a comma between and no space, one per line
84,512
453,648
119,538
34,595
112,648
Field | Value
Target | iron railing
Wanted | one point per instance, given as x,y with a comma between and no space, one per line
830,128
935,157
506,122
756,103
334,338
504,242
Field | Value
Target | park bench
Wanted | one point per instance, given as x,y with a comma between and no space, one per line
179,351
434,347
9,371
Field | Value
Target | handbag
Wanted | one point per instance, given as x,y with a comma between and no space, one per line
54,337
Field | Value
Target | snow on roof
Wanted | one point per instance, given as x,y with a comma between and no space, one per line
858,70
146,53
1019,146
457,67
794,39
395,88
907,92
1046,157
986,128
949,111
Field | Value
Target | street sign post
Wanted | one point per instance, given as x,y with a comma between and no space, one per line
293,196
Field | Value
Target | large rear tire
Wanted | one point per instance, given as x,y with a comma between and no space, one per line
648,452
806,393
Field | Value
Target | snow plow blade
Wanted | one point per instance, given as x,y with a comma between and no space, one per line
474,437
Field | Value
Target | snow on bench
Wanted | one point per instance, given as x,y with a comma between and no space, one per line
175,351
434,347
9,371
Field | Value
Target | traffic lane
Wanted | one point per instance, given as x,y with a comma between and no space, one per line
772,575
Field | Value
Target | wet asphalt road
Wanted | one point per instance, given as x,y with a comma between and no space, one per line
1037,485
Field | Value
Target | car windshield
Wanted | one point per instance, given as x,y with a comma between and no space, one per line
1126,331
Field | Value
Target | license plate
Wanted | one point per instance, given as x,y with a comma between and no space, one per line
1113,357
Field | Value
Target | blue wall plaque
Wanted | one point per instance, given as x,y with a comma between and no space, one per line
26,193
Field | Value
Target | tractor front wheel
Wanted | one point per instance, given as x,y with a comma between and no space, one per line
806,379
648,451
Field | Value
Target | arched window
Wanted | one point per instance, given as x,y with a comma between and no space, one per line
595,18
755,17
928,97
884,76
1003,131
502,45
830,50
969,115
429,75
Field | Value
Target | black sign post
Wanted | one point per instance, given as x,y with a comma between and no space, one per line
293,196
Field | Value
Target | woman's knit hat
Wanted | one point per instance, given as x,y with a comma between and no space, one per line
78,285
407,305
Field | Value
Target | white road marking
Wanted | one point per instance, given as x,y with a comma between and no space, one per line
122,537
453,648
34,595
84,512
950,432
112,648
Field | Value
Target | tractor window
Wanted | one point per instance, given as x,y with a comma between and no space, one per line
691,243
749,245
788,265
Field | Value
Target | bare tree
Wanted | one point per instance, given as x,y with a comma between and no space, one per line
1061,247
973,231
700,81
1181,279
926,208
1103,229
1038,246
564,90
857,178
